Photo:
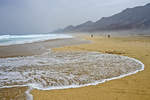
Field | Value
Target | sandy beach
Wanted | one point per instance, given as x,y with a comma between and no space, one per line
134,87
30,49
74,50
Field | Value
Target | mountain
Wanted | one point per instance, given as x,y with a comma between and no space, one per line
130,18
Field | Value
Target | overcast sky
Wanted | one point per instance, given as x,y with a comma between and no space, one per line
27,16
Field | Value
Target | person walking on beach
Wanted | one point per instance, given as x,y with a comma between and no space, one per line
108,35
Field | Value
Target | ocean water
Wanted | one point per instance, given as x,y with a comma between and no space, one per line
21,39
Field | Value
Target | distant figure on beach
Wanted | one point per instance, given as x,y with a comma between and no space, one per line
91,35
108,36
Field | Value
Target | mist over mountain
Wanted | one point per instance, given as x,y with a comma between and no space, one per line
137,18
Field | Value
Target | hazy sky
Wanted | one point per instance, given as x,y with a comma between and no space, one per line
26,16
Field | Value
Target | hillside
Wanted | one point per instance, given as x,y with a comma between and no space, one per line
129,19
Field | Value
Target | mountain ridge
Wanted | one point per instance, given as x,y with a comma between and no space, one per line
130,18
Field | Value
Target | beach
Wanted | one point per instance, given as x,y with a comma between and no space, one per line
30,49
134,87
36,48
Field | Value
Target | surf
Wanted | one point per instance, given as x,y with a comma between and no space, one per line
6,40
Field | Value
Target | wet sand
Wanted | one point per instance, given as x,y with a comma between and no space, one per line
134,87
29,49
37,48
15,93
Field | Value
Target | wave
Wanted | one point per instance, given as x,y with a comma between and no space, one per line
55,70
64,70
21,39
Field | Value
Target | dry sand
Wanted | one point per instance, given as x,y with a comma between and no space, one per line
134,87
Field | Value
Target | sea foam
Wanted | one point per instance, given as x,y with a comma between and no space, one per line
65,70
21,39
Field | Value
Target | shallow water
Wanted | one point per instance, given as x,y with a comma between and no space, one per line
63,69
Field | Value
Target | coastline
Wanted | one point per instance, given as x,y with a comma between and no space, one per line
36,48
71,48
31,87
107,89
31,49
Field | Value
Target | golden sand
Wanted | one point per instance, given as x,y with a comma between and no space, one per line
15,93
134,87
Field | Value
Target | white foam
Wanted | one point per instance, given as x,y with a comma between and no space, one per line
36,86
53,59
28,95
21,39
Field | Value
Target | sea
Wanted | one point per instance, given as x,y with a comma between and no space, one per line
11,39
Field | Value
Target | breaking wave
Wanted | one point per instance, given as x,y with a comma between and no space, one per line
21,39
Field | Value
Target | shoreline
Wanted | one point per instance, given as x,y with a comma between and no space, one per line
126,46
31,87
33,91
19,50
36,48
78,86
31,38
